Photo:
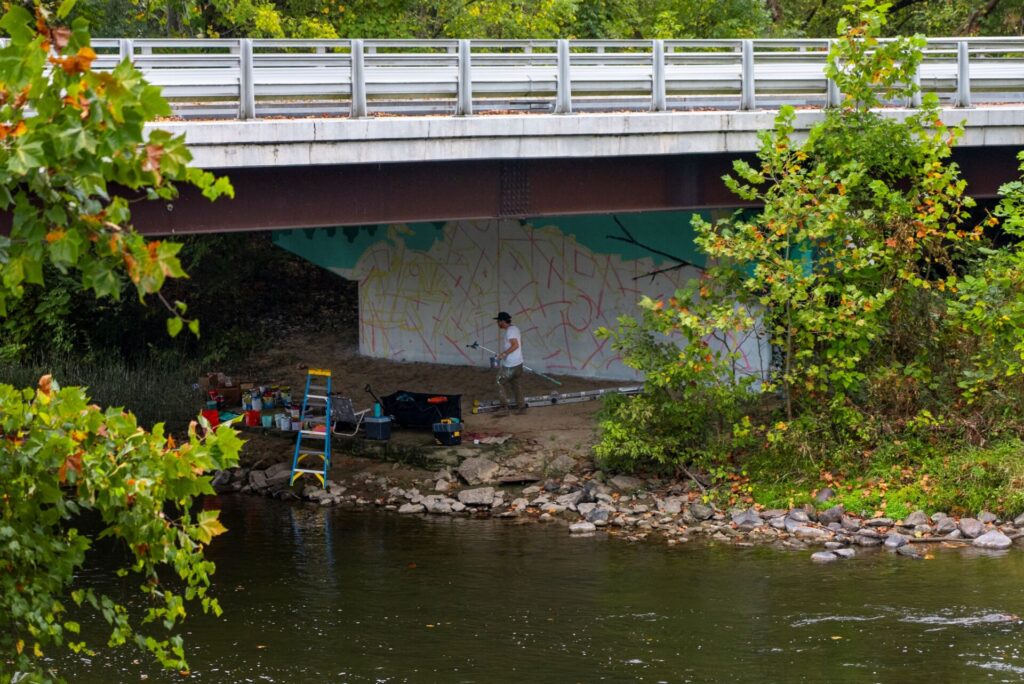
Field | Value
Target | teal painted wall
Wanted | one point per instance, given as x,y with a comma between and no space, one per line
340,249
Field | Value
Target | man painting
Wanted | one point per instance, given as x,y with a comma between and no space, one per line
510,365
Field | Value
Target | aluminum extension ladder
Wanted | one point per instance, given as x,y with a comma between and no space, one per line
316,411
555,398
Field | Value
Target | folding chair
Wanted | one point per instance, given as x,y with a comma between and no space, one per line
342,412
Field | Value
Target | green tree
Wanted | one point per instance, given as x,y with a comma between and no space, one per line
73,154
849,266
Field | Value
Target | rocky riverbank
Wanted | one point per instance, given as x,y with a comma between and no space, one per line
630,508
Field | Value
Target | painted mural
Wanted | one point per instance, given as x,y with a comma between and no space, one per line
426,291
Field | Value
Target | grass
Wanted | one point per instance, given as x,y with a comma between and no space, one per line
155,390
899,478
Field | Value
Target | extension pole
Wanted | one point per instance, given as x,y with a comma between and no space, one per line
477,345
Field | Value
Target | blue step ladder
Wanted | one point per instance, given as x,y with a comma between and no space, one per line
316,410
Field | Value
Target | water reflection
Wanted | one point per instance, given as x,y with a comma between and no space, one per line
315,593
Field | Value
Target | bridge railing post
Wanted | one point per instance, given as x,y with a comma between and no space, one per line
659,101
915,96
832,95
247,88
963,75
125,49
748,99
358,109
464,105
563,96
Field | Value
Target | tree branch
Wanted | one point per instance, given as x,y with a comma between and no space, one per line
680,262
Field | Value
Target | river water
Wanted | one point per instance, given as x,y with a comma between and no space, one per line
330,595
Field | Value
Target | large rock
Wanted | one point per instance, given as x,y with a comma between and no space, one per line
832,515
700,511
222,481
799,515
599,515
916,518
807,533
582,528
437,504
895,541
972,527
993,540
258,479
910,551
987,517
945,525
625,483
278,473
570,499
482,496
671,505
478,470
824,557
864,540
747,520
411,508
1019,521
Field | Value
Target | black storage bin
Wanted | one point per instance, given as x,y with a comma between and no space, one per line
420,410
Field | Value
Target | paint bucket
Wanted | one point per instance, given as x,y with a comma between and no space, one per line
296,425
211,404
283,421
257,403
294,411
268,421
212,417
252,418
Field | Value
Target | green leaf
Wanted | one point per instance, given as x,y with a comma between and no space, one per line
174,326
65,8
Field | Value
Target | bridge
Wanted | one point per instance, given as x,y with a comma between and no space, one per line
379,131
551,179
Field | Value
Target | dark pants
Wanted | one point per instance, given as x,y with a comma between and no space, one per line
510,385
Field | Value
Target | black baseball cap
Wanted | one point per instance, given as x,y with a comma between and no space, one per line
503,316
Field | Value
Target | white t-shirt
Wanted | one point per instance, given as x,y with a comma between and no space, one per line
516,357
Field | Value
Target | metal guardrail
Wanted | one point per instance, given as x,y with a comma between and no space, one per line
253,78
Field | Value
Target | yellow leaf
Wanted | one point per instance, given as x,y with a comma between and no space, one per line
209,527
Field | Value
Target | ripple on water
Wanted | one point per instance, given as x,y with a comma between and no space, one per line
997,666
963,621
805,622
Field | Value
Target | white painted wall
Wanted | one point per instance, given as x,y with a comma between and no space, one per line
427,305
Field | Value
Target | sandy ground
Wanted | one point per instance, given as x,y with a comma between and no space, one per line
569,429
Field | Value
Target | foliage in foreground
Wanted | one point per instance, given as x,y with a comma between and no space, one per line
62,458
68,137
890,318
